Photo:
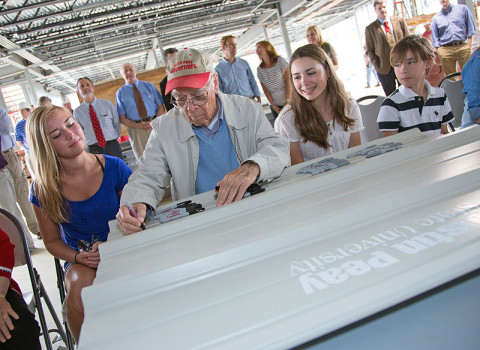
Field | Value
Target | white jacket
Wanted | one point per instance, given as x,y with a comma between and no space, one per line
172,151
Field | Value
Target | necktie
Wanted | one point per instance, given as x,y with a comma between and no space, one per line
142,111
97,129
387,28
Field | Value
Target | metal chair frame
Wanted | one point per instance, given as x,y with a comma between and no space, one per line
458,118
368,133
38,289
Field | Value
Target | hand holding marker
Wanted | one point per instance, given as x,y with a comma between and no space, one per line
251,190
133,213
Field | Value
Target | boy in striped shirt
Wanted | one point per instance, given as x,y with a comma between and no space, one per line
415,104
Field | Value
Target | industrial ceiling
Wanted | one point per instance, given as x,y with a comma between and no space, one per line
54,42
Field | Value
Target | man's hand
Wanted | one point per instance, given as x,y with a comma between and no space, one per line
129,224
144,125
235,183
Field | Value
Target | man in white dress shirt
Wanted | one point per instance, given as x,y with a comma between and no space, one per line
102,137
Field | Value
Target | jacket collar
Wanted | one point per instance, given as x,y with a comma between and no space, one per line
185,130
408,94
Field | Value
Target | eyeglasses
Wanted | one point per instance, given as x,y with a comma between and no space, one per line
196,101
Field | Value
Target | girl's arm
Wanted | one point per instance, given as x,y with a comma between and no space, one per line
355,139
389,133
295,153
52,237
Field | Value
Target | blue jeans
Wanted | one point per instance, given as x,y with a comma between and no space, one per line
371,69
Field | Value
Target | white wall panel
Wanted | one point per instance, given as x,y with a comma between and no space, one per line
308,256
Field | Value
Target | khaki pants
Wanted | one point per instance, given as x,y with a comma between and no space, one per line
20,183
449,55
8,201
138,140
28,161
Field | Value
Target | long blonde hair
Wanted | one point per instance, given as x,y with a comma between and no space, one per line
319,34
47,185
308,121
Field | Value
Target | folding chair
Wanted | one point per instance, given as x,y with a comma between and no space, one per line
369,117
14,230
61,289
455,96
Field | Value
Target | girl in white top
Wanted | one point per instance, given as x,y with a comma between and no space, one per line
321,119
274,76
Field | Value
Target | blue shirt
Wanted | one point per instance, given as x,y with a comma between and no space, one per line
216,158
455,24
471,88
20,134
236,78
6,130
107,117
89,218
126,104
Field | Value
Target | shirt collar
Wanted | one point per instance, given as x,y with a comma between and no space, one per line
216,121
93,103
228,61
448,10
382,21
409,94
136,83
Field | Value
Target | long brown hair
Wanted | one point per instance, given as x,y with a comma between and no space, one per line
46,165
271,52
308,121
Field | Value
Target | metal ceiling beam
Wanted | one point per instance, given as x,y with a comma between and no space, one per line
107,14
33,6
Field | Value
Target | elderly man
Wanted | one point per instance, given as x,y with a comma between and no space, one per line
381,36
167,98
234,74
99,120
209,139
138,103
452,35
15,168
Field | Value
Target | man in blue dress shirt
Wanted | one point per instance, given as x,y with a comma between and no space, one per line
107,117
21,137
452,34
136,113
234,74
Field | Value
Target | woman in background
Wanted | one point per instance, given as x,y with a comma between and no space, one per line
75,194
321,119
314,36
274,76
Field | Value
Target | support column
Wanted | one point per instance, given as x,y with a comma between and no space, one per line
32,94
265,33
160,47
2,101
283,30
